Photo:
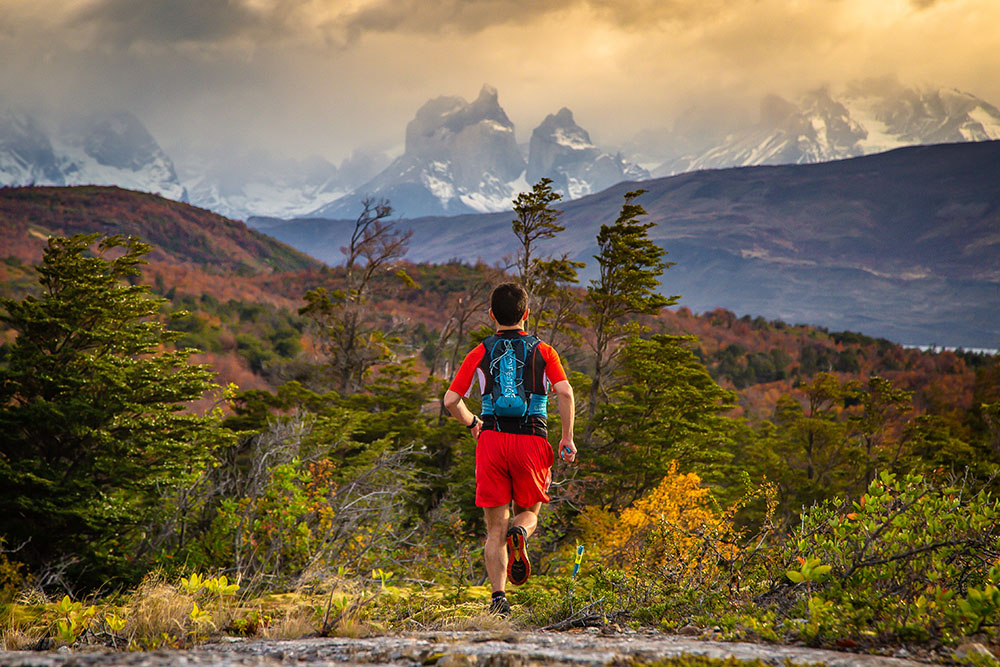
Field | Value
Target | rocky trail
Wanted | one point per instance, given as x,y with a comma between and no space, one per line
456,649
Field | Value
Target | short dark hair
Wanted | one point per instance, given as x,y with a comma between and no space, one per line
509,303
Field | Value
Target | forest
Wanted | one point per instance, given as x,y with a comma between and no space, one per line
241,449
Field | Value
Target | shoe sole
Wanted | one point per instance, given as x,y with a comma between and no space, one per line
517,553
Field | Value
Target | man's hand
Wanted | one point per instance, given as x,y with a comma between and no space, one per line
567,412
476,430
567,450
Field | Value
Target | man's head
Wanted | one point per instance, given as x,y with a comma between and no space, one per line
508,304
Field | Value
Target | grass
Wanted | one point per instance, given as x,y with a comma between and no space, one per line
160,613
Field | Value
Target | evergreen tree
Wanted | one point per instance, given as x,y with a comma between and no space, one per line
815,456
91,412
549,280
666,411
630,267
884,404
536,220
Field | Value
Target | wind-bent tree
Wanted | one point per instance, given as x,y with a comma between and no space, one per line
536,221
549,280
344,322
630,267
557,303
91,400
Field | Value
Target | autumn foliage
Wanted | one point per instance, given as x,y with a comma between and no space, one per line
756,472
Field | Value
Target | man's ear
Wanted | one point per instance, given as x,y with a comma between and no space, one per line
491,316
527,312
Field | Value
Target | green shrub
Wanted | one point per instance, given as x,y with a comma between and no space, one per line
908,560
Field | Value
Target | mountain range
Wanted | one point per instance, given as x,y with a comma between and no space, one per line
864,117
463,157
98,149
903,245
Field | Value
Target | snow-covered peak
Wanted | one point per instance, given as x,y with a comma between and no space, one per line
115,149
442,121
459,155
100,149
115,139
869,116
244,183
563,130
924,114
26,154
562,151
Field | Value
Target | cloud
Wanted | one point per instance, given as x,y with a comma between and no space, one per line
125,22
330,75
475,16
421,17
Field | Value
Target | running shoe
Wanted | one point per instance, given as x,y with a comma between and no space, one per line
518,566
499,606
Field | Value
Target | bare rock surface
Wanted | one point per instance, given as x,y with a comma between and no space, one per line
450,649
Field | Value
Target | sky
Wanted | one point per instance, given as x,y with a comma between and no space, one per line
324,77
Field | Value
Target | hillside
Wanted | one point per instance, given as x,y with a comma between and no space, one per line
244,291
901,245
179,233
241,286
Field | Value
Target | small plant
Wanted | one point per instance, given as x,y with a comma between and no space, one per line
822,614
75,619
193,584
382,576
810,571
202,619
115,624
980,607
220,586
199,616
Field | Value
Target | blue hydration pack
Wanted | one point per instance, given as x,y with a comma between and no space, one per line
506,358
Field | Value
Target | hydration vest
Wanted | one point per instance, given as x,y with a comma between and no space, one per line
513,371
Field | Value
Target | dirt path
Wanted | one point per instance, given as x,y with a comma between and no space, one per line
454,649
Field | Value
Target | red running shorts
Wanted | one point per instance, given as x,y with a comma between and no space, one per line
512,466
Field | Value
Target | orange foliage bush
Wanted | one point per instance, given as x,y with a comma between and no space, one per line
670,532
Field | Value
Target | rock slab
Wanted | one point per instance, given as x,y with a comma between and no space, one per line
465,649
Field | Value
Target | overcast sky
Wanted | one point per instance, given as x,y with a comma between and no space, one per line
326,76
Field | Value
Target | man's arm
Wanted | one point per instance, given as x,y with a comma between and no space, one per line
567,413
456,406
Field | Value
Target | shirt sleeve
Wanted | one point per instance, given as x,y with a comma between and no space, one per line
553,367
467,371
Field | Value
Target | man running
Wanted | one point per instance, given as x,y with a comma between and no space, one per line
513,455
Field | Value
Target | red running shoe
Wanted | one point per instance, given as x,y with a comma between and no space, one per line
518,565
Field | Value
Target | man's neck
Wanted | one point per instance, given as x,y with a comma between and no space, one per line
514,327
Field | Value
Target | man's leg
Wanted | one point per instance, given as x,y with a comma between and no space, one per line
527,517
518,564
495,551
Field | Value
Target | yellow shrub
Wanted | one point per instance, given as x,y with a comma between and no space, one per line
674,533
